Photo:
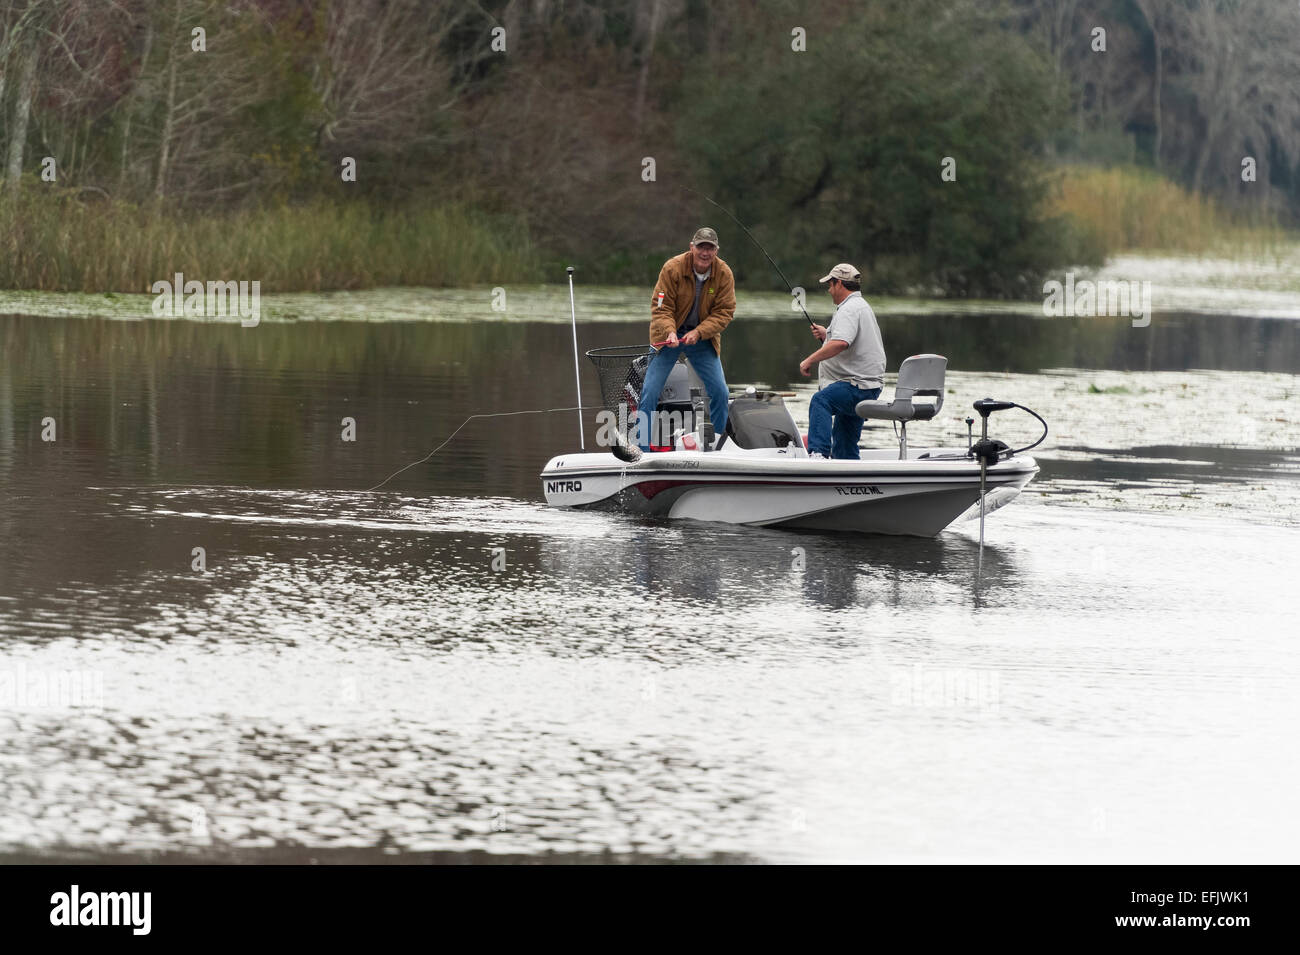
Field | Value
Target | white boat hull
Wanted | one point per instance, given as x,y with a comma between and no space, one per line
775,488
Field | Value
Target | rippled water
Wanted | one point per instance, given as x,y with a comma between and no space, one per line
351,676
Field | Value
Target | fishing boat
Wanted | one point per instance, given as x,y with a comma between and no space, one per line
760,473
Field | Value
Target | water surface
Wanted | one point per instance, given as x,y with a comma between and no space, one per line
1113,680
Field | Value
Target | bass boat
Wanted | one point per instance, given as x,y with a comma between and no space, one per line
760,473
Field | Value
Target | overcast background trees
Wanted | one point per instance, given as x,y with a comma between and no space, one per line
834,148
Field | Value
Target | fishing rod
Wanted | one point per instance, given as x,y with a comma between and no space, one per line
756,242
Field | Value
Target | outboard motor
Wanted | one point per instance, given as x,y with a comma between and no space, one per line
681,394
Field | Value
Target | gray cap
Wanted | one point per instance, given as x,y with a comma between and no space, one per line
705,234
844,272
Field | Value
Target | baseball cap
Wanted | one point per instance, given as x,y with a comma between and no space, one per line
844,272
704,234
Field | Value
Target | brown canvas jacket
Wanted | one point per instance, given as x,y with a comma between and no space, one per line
677,283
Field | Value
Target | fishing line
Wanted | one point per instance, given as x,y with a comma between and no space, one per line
499,414
506,414
755,241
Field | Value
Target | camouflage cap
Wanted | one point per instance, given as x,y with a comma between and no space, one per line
705,234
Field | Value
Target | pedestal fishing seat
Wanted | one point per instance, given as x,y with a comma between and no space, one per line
920,376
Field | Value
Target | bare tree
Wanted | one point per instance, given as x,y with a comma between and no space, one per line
30,55
193,96
650,34
382,71
22,41
1244,77
62,49
1154,11
169,110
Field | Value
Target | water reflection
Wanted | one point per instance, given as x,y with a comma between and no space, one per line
194,403
664,566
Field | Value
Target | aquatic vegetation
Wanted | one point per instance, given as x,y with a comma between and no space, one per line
1126,208
1113,390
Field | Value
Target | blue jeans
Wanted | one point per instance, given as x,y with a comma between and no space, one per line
706,364
838,399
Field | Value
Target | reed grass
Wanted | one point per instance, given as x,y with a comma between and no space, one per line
57,242
53,240
1129,209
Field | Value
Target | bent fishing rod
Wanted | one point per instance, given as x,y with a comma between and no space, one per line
756,242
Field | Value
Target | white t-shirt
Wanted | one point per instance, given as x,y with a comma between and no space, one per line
863,362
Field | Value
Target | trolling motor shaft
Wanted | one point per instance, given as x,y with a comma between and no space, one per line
986,450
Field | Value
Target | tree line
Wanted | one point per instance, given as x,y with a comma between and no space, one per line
918,137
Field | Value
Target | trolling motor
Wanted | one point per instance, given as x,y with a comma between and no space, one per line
989,450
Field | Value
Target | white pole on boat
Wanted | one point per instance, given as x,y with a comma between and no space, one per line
577,377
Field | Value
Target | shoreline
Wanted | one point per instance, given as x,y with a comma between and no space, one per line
1185,284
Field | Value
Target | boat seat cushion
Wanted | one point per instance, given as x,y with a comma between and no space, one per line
900,409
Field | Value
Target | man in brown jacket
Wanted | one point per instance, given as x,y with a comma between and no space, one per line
694,300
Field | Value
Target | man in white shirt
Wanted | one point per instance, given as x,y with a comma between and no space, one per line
852,368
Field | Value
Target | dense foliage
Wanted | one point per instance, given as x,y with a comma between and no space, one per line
823,125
